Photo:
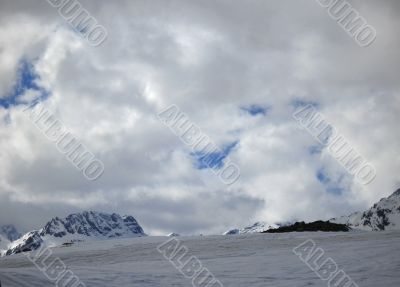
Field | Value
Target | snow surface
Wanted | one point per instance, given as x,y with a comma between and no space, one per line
370,258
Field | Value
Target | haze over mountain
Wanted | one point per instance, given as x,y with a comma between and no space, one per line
10,232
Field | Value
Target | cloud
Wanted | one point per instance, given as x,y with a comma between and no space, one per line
238,70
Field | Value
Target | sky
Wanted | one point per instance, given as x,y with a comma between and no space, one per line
237,69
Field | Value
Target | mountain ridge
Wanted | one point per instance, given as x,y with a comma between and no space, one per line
258,227
77,227
383,215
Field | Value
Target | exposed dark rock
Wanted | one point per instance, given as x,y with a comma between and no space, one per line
30,241
312,226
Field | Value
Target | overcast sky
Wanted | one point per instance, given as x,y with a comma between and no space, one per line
237,69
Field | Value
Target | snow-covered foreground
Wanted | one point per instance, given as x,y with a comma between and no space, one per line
369,258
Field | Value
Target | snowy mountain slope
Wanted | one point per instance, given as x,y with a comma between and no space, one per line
384,215
10,232
78,227
28,242
255,228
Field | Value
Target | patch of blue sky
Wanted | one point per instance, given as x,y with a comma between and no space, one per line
315,149
26,79
214,159
299,103
255,110
332,186
322,176
79,29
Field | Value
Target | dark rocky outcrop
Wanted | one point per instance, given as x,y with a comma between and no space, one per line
312,226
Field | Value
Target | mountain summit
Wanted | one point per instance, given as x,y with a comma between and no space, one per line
91,223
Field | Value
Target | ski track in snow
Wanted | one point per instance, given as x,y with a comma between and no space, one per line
370,259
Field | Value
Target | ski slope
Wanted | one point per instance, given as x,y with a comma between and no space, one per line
370,258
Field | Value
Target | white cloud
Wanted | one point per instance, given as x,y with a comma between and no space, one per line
210,62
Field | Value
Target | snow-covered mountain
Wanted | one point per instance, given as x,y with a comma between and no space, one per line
90,223
28,242
78,227
255,228
384,215
10,232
